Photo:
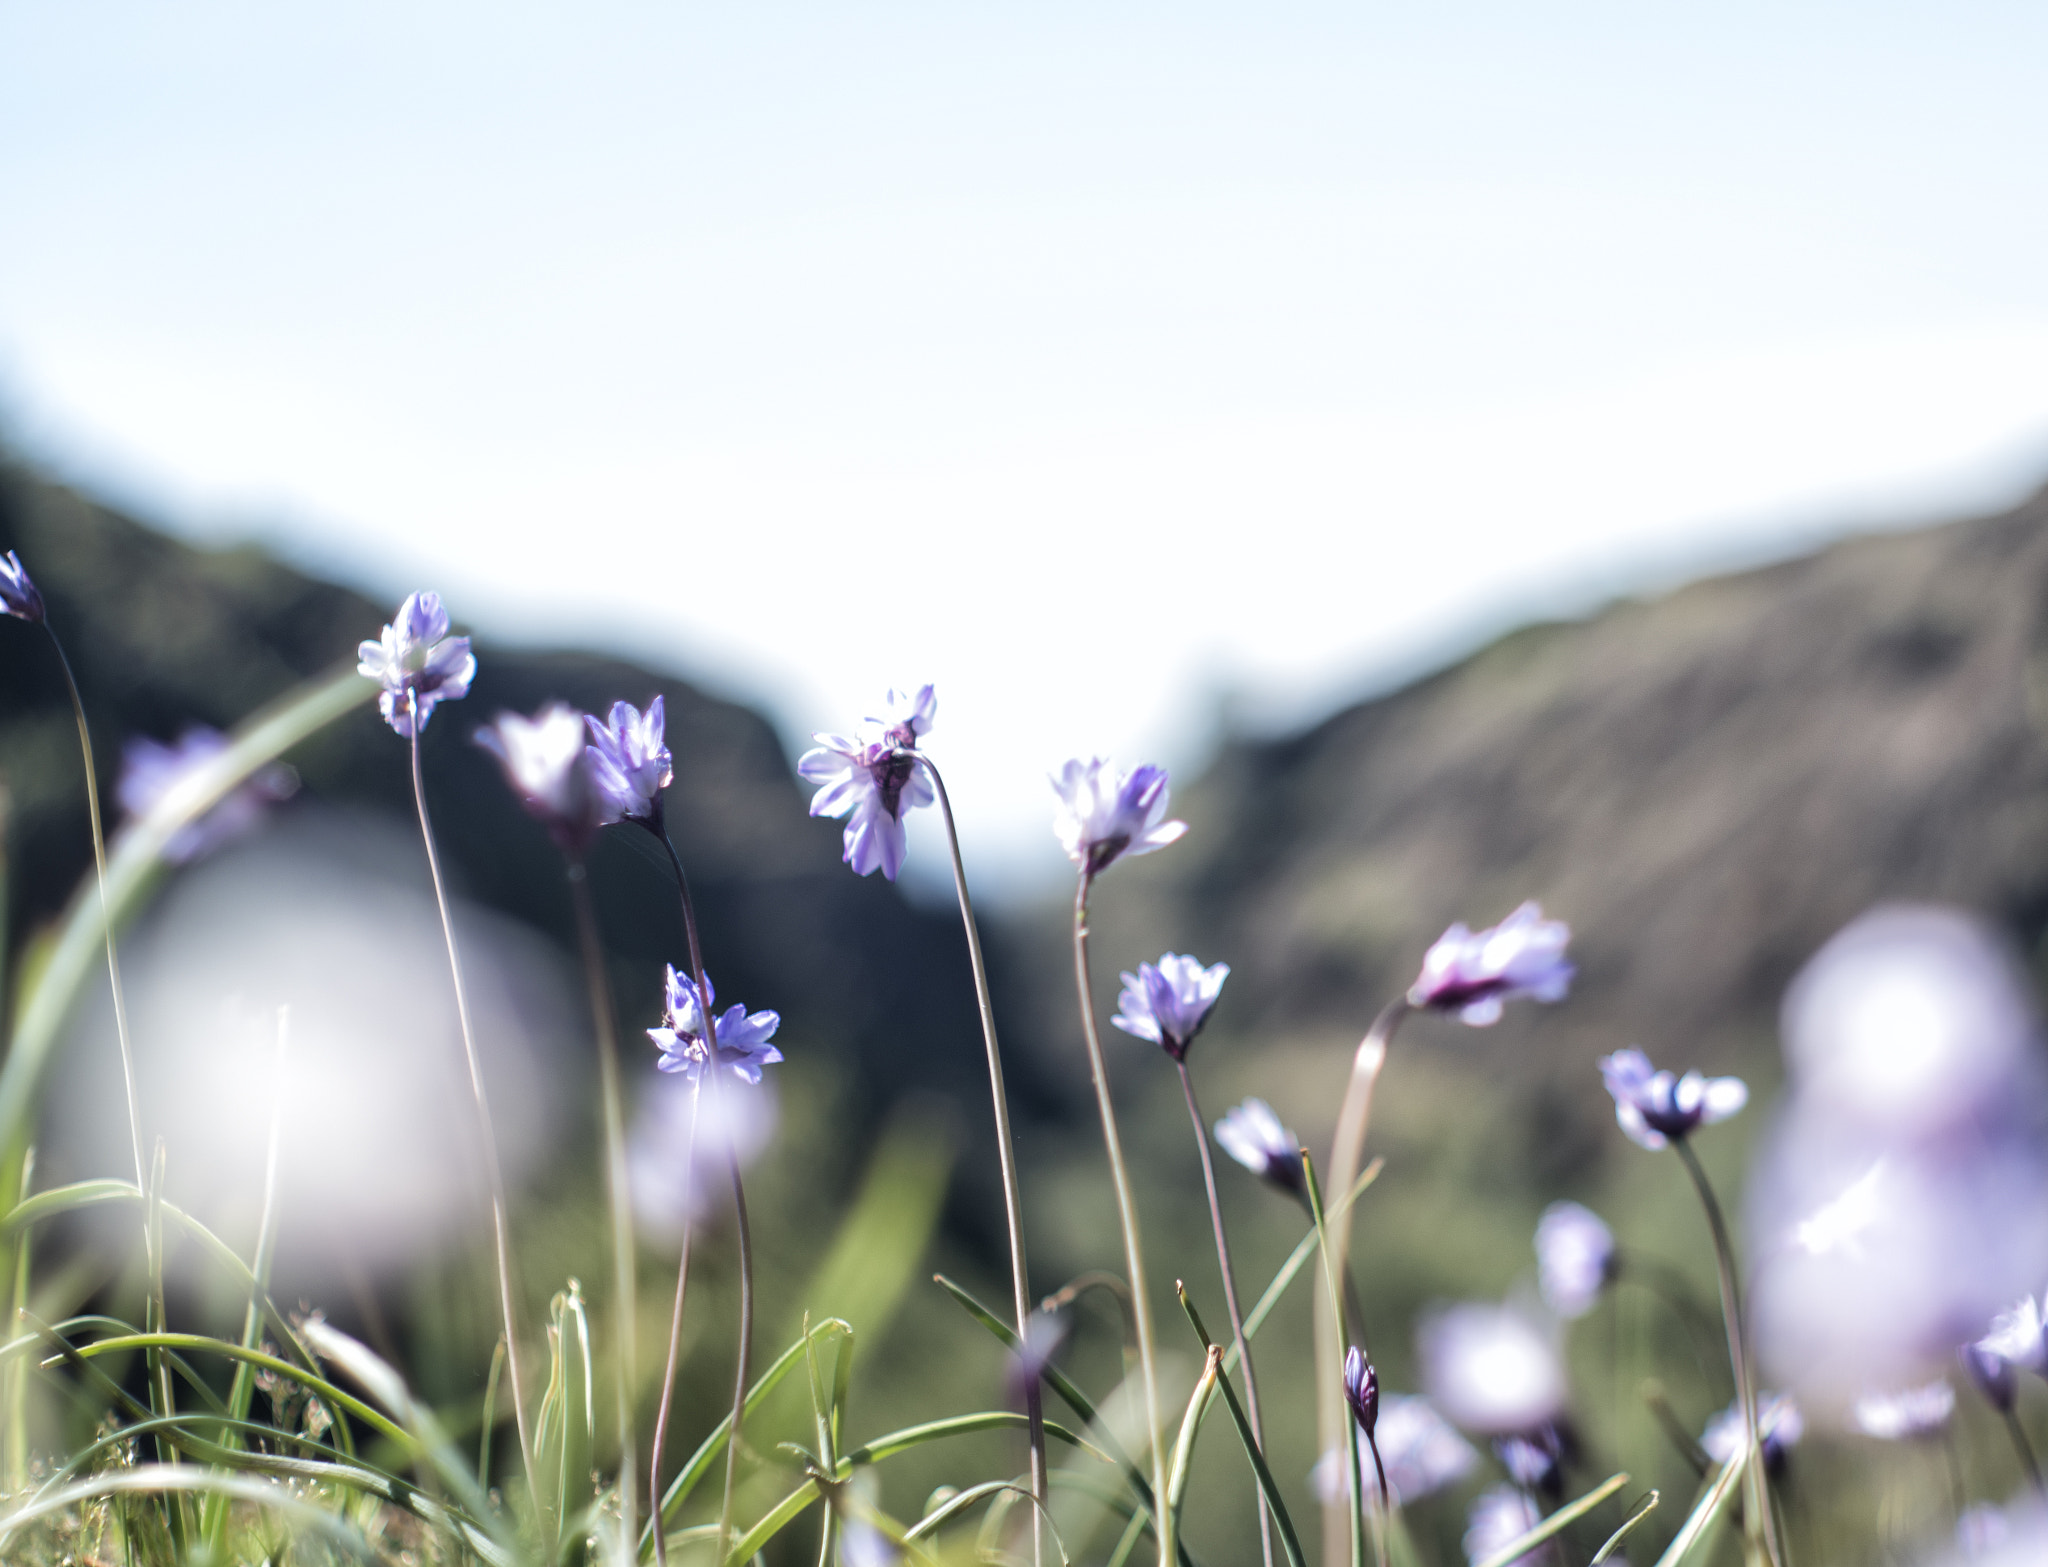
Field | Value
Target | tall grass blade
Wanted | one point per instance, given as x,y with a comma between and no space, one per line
1555,1524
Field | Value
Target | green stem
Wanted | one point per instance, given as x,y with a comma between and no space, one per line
1006,1155
1244,1352
675,1333
501,1229
1127,1214
1354,1488
739,1385
618,1193
1757,1484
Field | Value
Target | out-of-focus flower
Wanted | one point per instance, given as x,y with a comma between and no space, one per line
418,663
1169,1002
2012,1536
543,761
1912,1022
871,777
1501,1516
629,763
1421,1450
18,595
1996,1377
1104,814
1841,1224
1534,1462
1044,1332
1362,1389
1913,1411
1493,1370
150,771
1779,1425
2020,1335
1472,972
673,1177
1252,1135
1654,1107
1574,1257
739,1039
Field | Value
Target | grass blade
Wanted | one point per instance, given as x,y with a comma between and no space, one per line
1289,1540
1557,1522
1644,1508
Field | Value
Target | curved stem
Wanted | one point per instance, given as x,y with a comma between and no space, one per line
1244,1353
618,1192
1758,1482
2025,1449
739,1385
99,865
1006,1152
1127,1214
675,1333
501,1230
1347,1152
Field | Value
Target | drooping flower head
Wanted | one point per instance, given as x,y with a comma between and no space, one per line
872,780
1362,1389
1253,1136
543,761
1495,1370
1169,1002
1655,1108
629,763
738,1042
1104,814
150,771
417,663
1498,1518
18,595
1472,972
1421,1451
1574,1257
1909,1412
1779,1424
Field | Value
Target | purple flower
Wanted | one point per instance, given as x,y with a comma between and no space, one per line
1996,1377
1420,1450
1104,814
1574,1257
1913,1411
1534,1462
872,780
418,663
1168,1004
1362,1389
1778,1422
1472,973
150,771
1498,1518
18,595
1494,1370
543,760
681,1145
1654,1107
739,1038
629,764
1253,1136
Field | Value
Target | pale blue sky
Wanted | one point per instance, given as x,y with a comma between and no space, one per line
1090,360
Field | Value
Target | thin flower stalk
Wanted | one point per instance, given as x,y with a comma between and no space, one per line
1127,1214
1757,1483
1244,1351
675,1334
501,1230
739,1383
1354,1503
618,1194
1006,1155
1346,1153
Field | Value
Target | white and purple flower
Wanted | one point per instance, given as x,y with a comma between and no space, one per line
150,771
1655,1108
629,763
1362,1389
872,779
1105,814
1494,1370
18,595
1779,1426
1574,1258
1168,1002
1254,1136
1908,1412
417,663
739,1039
1472,973
1421,1450
543,761
2020,1336
1498,1518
